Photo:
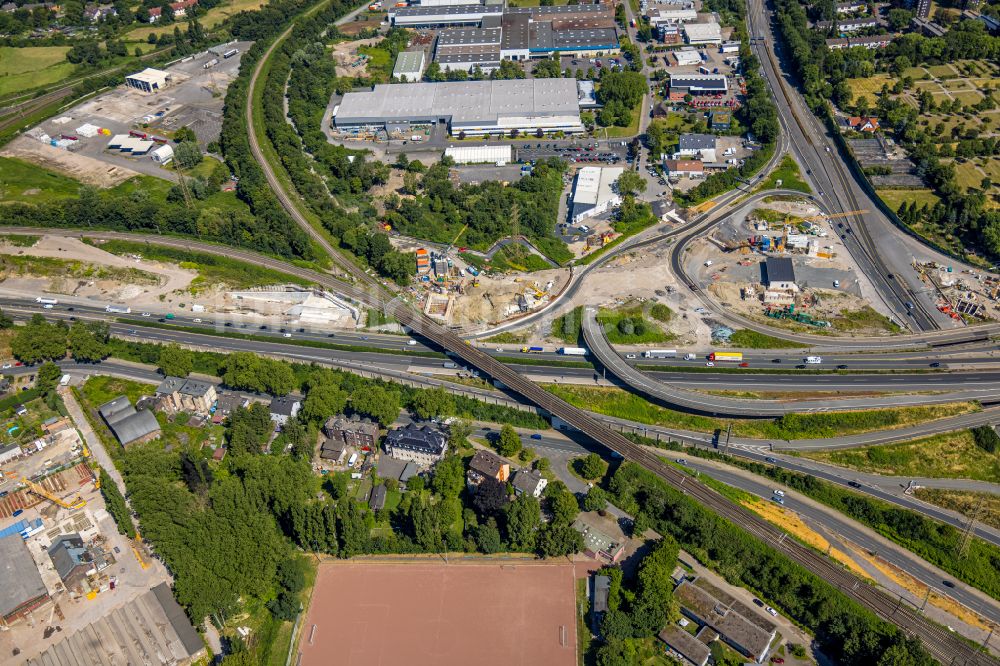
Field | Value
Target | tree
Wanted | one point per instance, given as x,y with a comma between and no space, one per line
899,18
488,537
322,402
246,370
449,476
559,541
508,442
562,503
596,500
524,516
630,183
508,70
616,625
458,434
185,135
115,503
47,377
188,155
176,361
490,497
590,466
5,321
380,404
39,340
547,68
432,402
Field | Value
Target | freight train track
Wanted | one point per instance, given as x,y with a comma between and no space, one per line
942,644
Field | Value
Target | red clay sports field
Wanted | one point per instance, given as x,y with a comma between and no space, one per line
487,614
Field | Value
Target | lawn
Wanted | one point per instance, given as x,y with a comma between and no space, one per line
748,339
942,71
618,132
952,455
511,258
20,181
618,323
967,175
965,503
868,87
30,67
864,319
789,175
893,198
968,96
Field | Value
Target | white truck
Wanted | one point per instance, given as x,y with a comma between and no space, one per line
118,309
572,351
814,360
660,353
43,300
64,381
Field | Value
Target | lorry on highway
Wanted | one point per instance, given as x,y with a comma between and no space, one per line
572,351
814,360
47,301
660,353
728,357
118,309
531,350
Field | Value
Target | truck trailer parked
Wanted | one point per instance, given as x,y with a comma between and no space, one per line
572,351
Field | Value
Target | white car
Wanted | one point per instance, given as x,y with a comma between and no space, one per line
146,314
779,493
709,263
710,364
411,343
629,355
499,349
772,611
7,365
196,320
836,283
47,306
286,335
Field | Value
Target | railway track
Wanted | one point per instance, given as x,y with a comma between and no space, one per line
944,646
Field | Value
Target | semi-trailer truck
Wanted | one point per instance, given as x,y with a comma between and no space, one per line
119,309
43,300
573,351
730,357
531,350
660,353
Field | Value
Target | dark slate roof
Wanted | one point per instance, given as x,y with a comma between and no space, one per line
526,481
170,385
20,581
602,587
196,387
778,269
178,620
422,439
283,405
135,426
697,142
114,409
67,552
486,463
377,500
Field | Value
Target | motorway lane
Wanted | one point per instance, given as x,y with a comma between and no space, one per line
857,534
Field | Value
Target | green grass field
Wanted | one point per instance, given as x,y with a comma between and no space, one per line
20,181
968,175
631,130
943,71
952,455
30,67
210,19
747,339
868,87
789,175
893,198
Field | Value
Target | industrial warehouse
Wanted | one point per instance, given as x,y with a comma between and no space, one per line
469,107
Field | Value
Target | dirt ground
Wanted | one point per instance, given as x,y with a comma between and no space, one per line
423,613
79,167
495,299
344,53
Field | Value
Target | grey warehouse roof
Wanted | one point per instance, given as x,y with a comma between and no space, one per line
135,426
447,10
19,577
779,269
468,36
697,142
462,101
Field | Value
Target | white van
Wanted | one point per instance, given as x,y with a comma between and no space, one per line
814,359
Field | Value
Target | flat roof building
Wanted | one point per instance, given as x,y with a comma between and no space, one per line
594,191
698,84
685,645
481,154
473,107
688,56
747,637
424,16
779,273
148,80
703,33
409,66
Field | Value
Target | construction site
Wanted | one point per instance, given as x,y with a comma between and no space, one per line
785,263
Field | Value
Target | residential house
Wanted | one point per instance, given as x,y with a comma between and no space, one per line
423,445
863,123
684,168
56,425
597,544
95,13
71,559
696,145
129,425
752,639
526,482
219,454
849,24
361,433
225,403
179,394
873,42
10,452
333,450
486,465
284,408
21,588
377,500
179,10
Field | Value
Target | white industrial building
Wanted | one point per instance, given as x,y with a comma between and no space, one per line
498,155
472,107
427,16
148,80
658,16
594,191
130,144
729,47
163,155
409,66
703,33
687,56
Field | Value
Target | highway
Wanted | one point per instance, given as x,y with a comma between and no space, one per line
667,393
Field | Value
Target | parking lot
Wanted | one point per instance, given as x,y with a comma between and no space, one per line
193,98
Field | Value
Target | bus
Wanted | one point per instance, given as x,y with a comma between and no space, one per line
729,357
660,353
230,53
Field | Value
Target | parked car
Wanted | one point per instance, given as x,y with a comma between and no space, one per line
771,611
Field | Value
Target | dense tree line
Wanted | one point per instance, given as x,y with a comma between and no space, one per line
845,631
39,340
115,504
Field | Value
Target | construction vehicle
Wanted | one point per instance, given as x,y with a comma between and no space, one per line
77,503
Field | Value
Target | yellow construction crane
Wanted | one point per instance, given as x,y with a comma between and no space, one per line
835,215
77,503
